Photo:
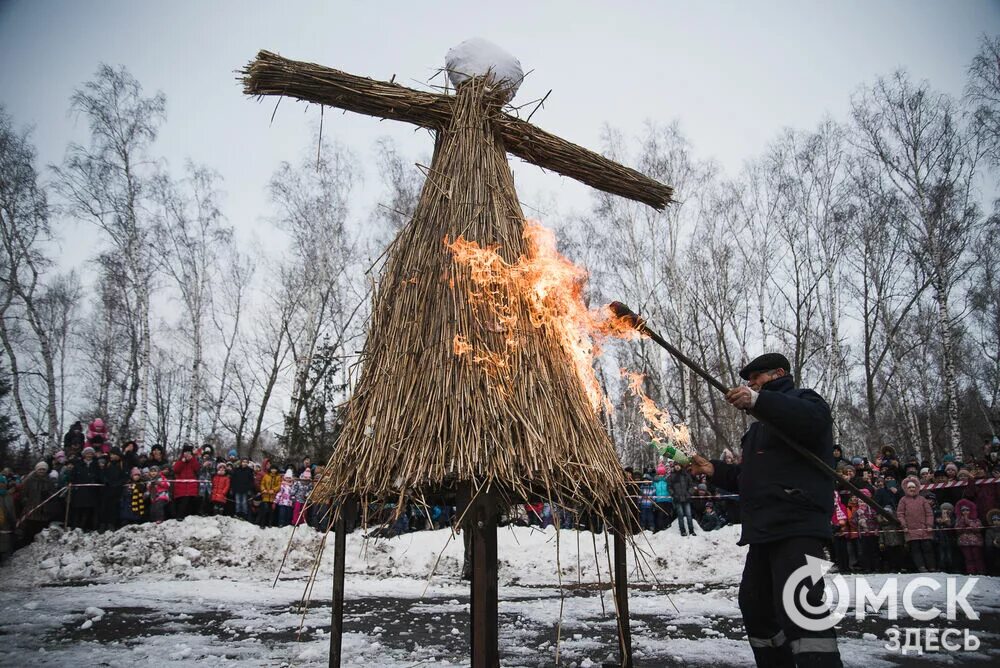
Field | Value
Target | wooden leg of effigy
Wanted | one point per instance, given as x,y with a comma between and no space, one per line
339,550
484,621
621,600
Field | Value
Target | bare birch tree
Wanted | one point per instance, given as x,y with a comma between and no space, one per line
108,184
24,330
931,160
192,235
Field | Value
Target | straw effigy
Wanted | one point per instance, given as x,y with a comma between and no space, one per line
423,416
271,74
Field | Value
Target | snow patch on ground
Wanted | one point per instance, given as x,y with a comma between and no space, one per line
200,547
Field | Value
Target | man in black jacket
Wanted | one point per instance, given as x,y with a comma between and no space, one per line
786,504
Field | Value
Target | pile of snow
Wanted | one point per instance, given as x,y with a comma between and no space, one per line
478,57
225,547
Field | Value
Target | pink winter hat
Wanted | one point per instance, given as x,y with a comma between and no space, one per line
134,472
306,475
661,469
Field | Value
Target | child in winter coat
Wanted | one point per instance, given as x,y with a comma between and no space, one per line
992,542
283,500
220,489
891,542
866,526
664,502
269,486
970,537
916,516
205,474
944,537
647,504
159,497
300,494
839,524
134,498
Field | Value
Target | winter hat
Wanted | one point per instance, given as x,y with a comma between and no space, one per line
910,480
42,466
306,475
947,506
187,448
97,424
134,472
60,456
951,466
221,468
949,457
154,469
703,487
993,516
857,461
289,474
647,476
964,474
156,446
87,450
924,470
145,471
54,475
964,505
232,453
661,469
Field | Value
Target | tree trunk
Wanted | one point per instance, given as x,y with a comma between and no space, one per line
950,374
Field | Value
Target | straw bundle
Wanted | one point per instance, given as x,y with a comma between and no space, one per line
271,74
423,416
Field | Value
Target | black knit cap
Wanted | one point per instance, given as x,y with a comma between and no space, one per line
765,362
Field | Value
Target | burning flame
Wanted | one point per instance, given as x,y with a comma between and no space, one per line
553,288
659,426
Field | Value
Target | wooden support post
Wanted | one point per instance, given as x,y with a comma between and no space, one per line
484,621
621,600
339,550
69,498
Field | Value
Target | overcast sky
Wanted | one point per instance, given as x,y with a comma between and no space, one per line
732,73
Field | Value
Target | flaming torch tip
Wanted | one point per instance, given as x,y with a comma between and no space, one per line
626,315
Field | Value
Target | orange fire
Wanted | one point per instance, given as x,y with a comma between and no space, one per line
659,426
554,290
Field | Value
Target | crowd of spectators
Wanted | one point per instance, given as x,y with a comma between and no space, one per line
949,520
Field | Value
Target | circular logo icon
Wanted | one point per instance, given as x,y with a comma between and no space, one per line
824,614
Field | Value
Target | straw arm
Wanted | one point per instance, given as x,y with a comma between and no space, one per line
271,74
541,148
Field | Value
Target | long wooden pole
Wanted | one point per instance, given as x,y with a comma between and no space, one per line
621,599
339,551
484,619
623,311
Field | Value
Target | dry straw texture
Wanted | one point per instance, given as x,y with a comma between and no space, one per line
271,74
422,416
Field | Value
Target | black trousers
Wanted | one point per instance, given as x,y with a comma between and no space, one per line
776,640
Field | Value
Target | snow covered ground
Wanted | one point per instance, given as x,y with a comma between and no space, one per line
200,592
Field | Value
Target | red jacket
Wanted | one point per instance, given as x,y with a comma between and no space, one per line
184,471
220,488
